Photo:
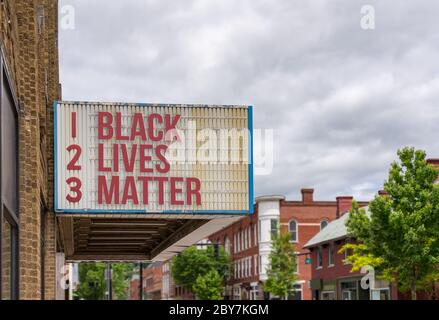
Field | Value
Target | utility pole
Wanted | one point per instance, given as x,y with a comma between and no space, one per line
109,281
141,281
216,250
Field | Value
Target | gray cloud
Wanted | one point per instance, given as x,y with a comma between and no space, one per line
340,99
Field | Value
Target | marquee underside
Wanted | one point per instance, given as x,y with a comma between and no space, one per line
133,238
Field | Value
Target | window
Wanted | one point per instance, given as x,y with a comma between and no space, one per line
347,254
245,267
328,295
323,224
297,256
259,230
292,227
239,242
273,229
227,245
296,294
319,257
380,294
250,271
245,239
249,238
9,214
331,255
255,233
237,293
255,263
349,290
242,268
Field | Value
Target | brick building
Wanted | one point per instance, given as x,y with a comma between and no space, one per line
332,278
171,290
151,283
152,278
249,240
29,85
158,284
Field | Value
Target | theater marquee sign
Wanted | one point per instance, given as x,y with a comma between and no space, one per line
147,158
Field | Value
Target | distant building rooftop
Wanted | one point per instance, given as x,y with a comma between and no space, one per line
335,230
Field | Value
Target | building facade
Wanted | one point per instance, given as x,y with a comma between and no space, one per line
29,85
152,279
249,241
331,275
332,278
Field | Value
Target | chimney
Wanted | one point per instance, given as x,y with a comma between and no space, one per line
343,204
307,195
383,193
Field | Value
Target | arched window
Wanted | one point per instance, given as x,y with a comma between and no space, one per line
323,224
292,226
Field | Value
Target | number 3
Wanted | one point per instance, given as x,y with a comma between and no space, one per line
75,186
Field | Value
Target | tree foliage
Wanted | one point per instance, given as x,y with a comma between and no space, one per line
282,267
192,268
209,286
401,236
93,284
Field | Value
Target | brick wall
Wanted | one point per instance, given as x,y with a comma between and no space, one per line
31,53
308,215
240,253
339,269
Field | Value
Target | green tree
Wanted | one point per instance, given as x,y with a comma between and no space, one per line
91,281
93,285
209,286
193,263
122,273
282,267
400,238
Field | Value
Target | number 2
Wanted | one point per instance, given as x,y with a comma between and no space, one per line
72,164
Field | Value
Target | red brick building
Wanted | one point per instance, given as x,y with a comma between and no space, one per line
134,287
249,240
332,278
152,281
158,284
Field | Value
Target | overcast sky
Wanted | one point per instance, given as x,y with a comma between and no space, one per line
341,99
